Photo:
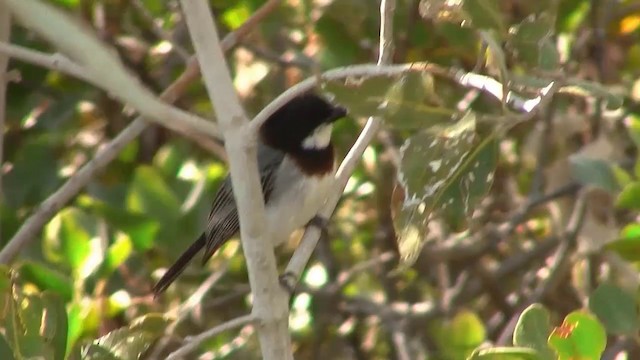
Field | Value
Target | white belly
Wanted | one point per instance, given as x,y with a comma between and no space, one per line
297,202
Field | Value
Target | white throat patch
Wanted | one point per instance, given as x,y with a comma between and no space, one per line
319,139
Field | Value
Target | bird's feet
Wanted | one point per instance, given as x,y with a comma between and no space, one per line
322,223
289,280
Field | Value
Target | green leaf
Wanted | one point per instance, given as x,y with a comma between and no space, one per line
504,353
633,128
118,252
445,173
581,336
128,343
485,14
20,186
152,323
628,248
549,57
406,101
498,59
458,337
69,239
411,103
531,40
46,278
629,197
149,194
55,324
5,349
615,308
593,172
31,326
532,330
142,230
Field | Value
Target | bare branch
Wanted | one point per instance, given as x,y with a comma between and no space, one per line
269,299
57,62
103,65
5,34
193,342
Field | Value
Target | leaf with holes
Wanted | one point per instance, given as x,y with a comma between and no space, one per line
445,173
406,101
128,343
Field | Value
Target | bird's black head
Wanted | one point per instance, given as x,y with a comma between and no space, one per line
302,124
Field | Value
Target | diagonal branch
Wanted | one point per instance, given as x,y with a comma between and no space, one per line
304,251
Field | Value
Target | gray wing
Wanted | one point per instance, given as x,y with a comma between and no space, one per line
223,219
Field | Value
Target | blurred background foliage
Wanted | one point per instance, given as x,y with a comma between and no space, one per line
558,225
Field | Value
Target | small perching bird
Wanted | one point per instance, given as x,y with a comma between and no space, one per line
297,166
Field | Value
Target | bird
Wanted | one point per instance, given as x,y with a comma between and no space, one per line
296,163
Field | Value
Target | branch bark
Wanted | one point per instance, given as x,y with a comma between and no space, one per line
269,299
5,35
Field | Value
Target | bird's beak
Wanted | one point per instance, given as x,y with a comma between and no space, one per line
338,113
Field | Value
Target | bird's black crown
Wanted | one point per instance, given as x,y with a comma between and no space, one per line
286,129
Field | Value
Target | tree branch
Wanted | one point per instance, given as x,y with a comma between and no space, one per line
269,299
193,342
5,34
103,65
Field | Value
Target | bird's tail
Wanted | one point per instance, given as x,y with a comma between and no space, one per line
178,267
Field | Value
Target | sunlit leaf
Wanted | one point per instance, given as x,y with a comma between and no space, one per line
458,337
70,239
629,197
581,336
55,325
46,278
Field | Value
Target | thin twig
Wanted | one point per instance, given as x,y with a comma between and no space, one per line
558,267
158,30
187,306
56,62
308,243
192,342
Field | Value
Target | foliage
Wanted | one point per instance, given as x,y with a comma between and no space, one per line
495,217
